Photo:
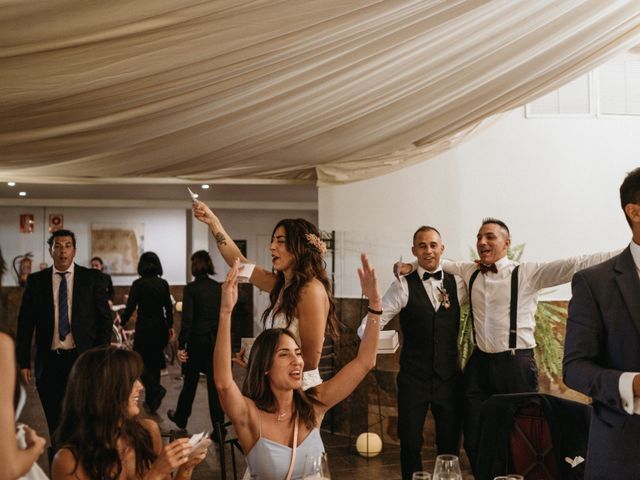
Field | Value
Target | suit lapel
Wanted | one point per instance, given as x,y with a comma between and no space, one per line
628,282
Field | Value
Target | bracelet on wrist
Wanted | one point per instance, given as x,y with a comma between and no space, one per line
375,312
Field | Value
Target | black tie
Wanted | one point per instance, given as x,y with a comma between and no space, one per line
63,308
437,275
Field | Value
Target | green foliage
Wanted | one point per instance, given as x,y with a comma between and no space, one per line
550,322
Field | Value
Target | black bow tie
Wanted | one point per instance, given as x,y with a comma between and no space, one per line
437,275
487,268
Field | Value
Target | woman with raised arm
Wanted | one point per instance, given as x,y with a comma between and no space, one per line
277,423
300,290
101,434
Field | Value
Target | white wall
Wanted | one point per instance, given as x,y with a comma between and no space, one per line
554,181
164,233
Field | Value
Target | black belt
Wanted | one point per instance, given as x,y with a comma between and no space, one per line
64,351
519,352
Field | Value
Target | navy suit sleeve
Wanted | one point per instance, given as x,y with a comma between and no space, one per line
584,367
104,320
26,323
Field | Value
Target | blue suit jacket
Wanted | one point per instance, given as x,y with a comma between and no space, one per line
602,342
91,319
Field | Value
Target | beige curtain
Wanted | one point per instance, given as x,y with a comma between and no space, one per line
326,91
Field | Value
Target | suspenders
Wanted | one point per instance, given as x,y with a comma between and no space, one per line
513,308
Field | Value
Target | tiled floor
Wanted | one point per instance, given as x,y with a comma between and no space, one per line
344,462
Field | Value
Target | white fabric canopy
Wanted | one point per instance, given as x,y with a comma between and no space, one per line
330,90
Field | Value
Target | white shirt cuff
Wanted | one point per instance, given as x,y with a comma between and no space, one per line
630,404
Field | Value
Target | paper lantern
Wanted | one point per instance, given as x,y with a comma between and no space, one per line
369,444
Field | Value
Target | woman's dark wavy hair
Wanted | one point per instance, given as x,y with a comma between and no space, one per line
201,264
149,265
95,413
256,384
309,264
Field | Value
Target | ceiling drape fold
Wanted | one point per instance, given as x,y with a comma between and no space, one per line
326,91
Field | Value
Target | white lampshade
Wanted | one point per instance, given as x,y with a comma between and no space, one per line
369,444
178,306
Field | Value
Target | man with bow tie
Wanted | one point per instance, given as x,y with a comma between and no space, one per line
428,301
503,298
66,306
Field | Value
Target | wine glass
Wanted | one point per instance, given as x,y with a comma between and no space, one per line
445,466
421,476
316,467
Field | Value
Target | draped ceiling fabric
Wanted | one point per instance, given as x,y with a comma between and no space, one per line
326,91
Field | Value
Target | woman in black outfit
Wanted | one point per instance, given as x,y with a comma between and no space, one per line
154,326
200,310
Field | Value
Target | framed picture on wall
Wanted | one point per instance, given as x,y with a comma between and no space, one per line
242,245
119,246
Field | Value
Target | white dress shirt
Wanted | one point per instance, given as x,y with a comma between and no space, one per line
55,284
630,404
397,296
491,296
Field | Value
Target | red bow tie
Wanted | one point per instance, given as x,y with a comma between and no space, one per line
487,268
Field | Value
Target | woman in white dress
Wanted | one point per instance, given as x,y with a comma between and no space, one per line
300,291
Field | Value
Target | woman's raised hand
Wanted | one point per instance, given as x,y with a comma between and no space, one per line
230,288
203,213
368,281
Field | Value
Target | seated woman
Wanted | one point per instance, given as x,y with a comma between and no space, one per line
101,435
272,416
299,288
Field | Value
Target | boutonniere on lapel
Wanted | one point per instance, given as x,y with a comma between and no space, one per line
444,297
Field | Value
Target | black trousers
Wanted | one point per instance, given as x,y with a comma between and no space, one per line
488,374
51,382
153,358
200,360
415,397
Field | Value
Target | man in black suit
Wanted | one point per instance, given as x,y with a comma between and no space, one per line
428,301
602,349
67,307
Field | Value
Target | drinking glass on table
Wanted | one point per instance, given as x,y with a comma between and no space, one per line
421,476
445,465
447,476
513,476
316,467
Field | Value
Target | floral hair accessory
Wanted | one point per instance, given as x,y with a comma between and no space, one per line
316,243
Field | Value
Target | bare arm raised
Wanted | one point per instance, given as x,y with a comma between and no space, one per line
347,379
260,277
233,402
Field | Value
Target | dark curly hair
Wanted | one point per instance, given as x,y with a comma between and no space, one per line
309,264
95,413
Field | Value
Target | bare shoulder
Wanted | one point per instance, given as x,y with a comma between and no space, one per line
151,427
313,289
6,343
65,465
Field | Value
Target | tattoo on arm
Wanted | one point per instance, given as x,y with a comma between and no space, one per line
220,240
